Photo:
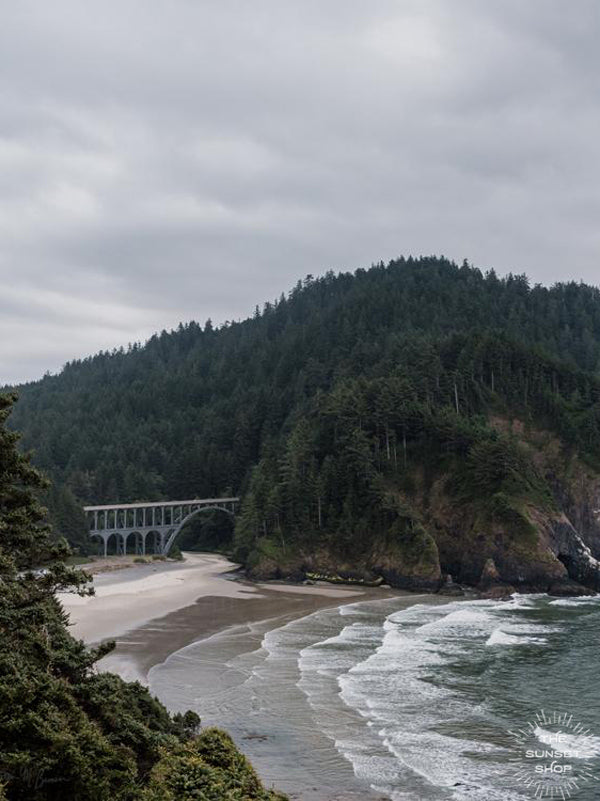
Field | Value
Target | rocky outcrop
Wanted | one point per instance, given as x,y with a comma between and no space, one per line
566,587
450,587
489,574
416,583
569,547
440,544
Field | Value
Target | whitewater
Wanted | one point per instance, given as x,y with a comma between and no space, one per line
408,701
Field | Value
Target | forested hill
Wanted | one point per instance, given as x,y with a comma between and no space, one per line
192,411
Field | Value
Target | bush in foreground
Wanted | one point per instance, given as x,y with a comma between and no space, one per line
209,768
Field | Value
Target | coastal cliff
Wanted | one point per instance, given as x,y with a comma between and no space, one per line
533,527
400,425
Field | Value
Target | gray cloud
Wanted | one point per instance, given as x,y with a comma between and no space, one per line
173,160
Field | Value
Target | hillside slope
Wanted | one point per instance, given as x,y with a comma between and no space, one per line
482,465
410,403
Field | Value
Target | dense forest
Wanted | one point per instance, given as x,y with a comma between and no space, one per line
342,413
66,730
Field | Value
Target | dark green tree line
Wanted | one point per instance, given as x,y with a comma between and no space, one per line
191,411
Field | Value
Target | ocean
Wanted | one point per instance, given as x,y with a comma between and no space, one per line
414,699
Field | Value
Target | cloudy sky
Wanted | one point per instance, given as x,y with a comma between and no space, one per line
167,160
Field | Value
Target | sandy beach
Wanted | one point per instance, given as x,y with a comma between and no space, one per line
154,609
196,615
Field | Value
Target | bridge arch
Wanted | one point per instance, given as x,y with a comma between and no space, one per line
175,533
105,538
163,520
96,535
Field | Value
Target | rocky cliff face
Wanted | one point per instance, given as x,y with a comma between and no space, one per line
551,544
556,551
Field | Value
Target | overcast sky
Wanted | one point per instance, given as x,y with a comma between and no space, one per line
167,160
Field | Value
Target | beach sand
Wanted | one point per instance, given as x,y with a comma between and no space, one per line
154,610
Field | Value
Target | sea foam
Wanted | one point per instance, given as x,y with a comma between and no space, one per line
580,746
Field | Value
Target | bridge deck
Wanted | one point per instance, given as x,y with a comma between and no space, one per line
149,505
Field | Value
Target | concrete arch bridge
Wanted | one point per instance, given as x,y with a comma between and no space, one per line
161,521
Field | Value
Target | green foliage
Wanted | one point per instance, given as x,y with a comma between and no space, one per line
175,553
208,531
497,465
193,410
329,484
67,517
416,548
66,731
209,768
314,408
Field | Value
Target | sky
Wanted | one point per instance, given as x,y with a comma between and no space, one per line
169,160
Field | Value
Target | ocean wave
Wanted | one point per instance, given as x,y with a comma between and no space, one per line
516,635
340,652
580,746
413,698
520,601
413,726
413,683
584,600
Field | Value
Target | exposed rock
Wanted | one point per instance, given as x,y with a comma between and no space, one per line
582,567
295,575
566,587
408,559
499,592
489,574
264,570
452,590
449,587
402,581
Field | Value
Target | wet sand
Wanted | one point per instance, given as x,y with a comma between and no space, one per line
153,611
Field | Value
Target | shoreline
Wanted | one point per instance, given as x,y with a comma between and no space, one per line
152,610
245,679
157,612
